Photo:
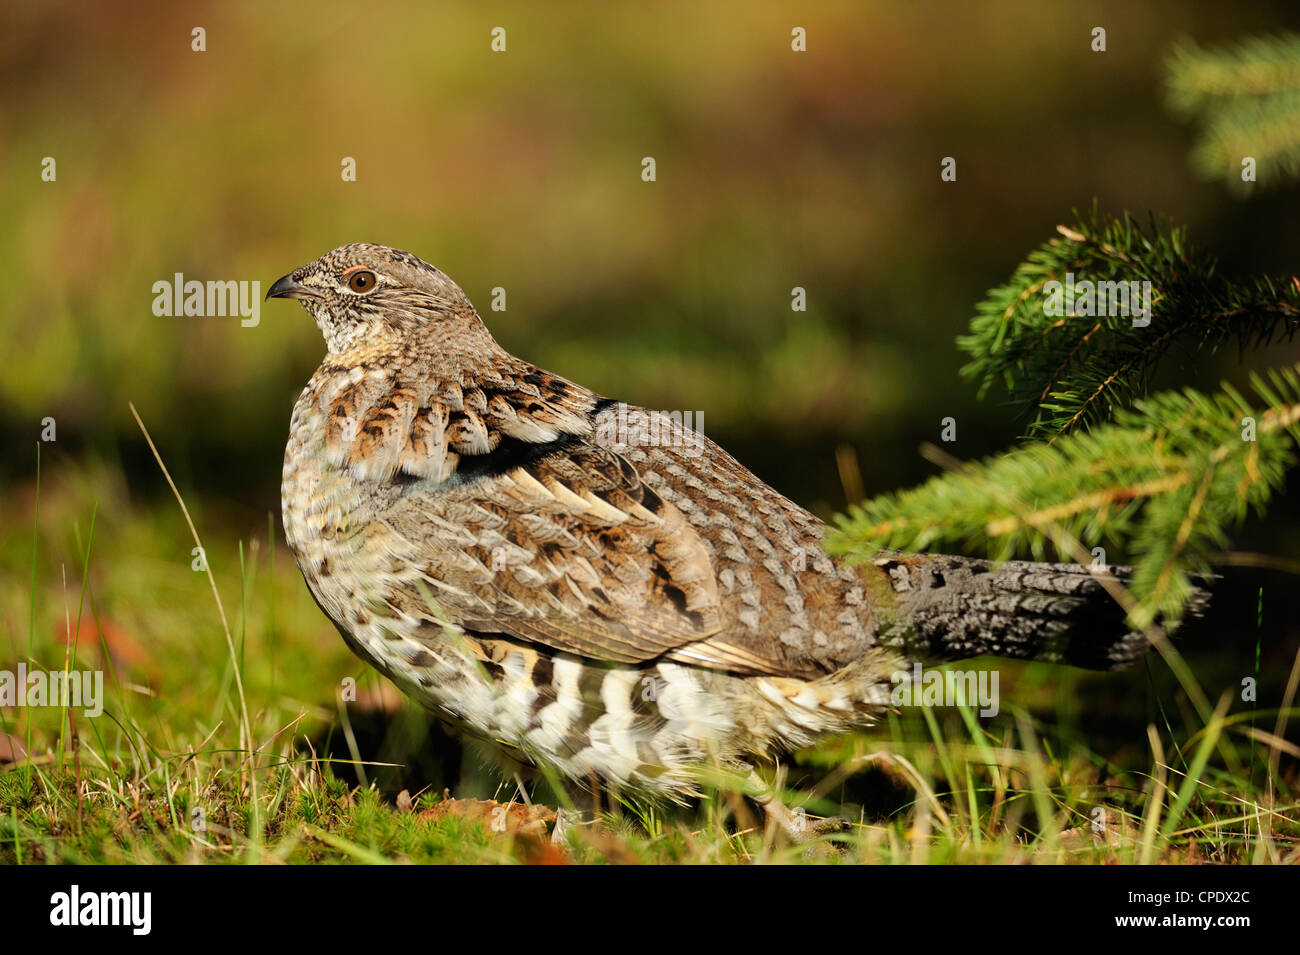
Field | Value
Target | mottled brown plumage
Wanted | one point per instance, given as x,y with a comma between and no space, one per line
628,602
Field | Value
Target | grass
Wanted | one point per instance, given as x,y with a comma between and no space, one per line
223,738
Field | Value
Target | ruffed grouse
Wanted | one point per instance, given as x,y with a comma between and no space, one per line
628,601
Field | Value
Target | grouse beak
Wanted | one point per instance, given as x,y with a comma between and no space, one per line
288,287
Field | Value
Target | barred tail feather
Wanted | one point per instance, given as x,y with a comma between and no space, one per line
950,608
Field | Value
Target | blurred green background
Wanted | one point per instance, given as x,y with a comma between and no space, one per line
522,170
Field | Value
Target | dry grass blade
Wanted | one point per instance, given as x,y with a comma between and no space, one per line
246,729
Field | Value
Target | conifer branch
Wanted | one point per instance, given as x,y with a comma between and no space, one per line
1247,101
1159,488
1076,332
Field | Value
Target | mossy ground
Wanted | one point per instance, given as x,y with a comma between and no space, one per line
243,751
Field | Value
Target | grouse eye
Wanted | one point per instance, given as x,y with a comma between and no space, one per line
361,281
